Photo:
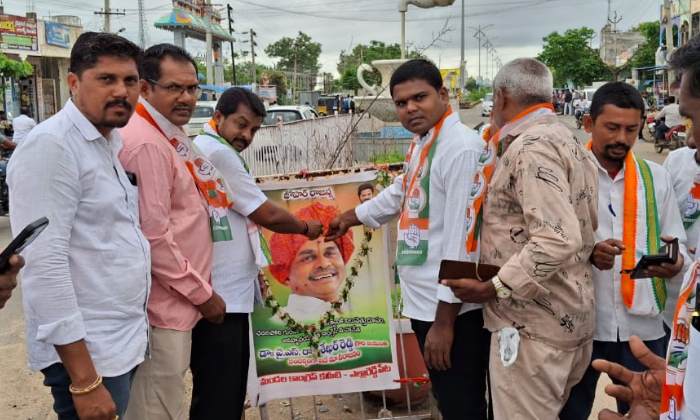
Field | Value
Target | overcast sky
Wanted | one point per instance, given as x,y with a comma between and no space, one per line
516,26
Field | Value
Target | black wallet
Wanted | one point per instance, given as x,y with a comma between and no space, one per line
450,269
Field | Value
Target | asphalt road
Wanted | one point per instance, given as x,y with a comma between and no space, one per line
22,395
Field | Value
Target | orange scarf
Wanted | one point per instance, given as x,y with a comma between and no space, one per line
487,164
210,183
636,169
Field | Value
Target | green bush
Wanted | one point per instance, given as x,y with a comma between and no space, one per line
479,93
392,157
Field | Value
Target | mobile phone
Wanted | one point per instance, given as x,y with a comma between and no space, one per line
667,254
25,237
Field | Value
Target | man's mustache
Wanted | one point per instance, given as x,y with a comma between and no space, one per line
615,145
119,102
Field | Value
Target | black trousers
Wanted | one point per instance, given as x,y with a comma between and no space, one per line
219,364
461,390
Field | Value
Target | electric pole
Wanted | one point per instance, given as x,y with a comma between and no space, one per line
462,63
107,13
252,54
479,35
209,42
233,54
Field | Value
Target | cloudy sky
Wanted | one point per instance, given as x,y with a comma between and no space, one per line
514,27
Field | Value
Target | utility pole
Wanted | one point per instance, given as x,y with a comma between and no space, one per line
230,31
107,13
478,35
462,63
209,42
252,54
488,47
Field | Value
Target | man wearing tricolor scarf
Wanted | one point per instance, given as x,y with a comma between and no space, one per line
182,206
675,380
220,352
539,217
432,199
637,212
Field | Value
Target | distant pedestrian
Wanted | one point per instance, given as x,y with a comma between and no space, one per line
22,125
352,104
568,98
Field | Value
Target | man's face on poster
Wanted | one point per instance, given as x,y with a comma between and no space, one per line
317,270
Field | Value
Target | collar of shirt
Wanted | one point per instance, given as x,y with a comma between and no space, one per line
522,125
85,126
620,174
169,129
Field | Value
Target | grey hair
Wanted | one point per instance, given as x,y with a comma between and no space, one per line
527,80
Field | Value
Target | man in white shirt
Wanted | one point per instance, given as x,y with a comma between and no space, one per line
443,162
22,125
672,118
674,381
87,276
636,212
220,352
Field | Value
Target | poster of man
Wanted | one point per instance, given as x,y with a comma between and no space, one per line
327,320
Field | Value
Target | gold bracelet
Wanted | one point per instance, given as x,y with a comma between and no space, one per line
87,389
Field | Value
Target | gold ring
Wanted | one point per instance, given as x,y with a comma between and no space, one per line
116,417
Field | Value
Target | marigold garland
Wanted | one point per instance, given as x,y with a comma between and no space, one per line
313,331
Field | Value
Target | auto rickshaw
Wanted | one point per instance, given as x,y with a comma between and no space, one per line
325,105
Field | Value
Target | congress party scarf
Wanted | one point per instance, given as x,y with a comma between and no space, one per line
261,250
692,206
640,235
414,219
677,355
487,164
210,183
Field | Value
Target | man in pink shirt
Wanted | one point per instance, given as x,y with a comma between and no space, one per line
176,221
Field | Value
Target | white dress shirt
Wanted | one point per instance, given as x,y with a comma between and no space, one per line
234,274
682,167
22,125
87,275
452,172
612,317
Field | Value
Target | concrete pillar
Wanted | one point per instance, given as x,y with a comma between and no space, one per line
179,38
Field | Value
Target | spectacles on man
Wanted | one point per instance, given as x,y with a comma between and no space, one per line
174,89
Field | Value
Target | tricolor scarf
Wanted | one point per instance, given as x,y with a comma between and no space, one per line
487,164
692,205
261,250
640,235
211,185
677,355
414,219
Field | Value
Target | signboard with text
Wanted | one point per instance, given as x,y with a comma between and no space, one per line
58,35
18,33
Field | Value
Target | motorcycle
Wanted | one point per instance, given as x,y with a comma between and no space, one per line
674,139
579,117
651,126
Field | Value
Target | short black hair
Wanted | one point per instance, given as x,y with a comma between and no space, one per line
365,186
90,46
24,110
418,69
235,96
149,68
622,95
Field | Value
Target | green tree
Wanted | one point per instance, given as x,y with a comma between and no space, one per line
570,57
300,51
646,53
15,69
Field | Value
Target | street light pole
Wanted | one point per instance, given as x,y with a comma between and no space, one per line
462,64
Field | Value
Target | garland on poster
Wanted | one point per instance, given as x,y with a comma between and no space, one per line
327,320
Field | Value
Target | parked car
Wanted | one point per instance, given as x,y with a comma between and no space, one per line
203,112
287,114
487,105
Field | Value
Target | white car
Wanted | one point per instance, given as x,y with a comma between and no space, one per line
487,105
287,114
203,112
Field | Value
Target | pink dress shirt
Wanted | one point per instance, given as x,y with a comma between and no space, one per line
173,219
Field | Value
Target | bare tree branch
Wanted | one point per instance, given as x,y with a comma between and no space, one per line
438,39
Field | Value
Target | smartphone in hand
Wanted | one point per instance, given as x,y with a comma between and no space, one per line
21,241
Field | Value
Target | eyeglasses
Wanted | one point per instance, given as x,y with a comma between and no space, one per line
194,91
